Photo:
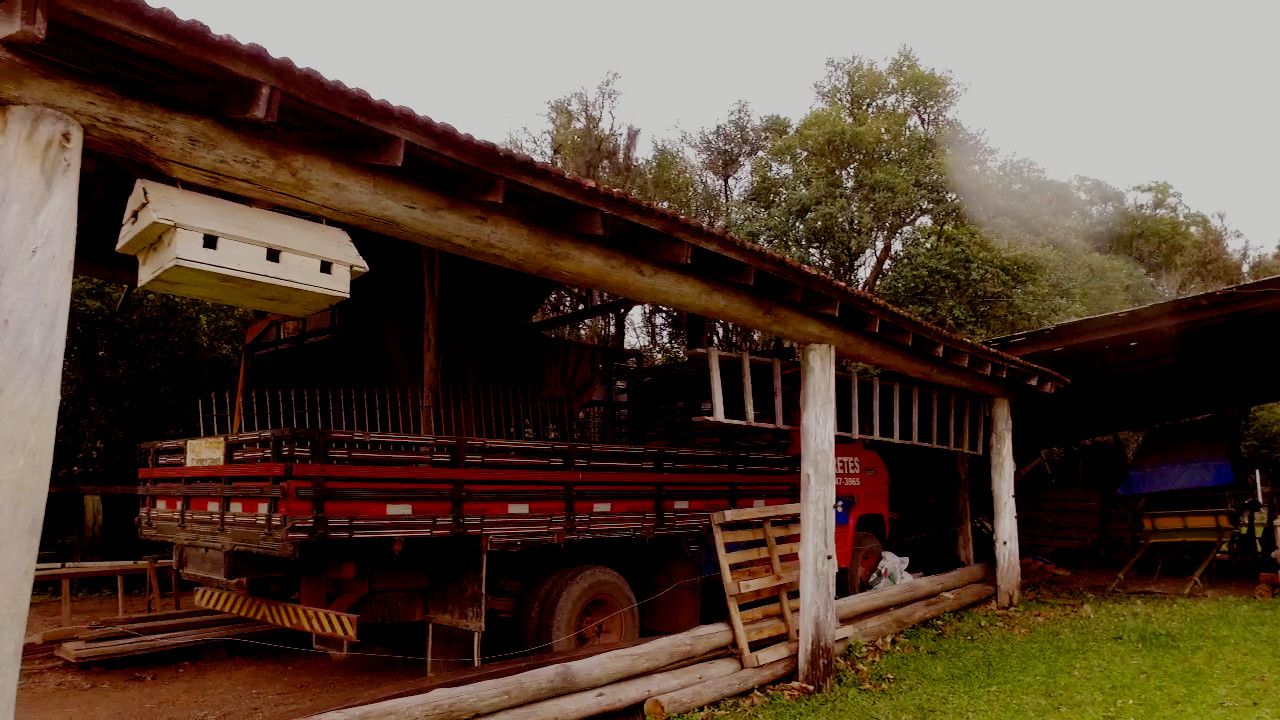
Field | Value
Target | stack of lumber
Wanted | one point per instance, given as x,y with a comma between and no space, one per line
130,635
675,673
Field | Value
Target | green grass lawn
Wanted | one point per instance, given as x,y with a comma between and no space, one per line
1134,657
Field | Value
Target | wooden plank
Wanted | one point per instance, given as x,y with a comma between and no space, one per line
855,426
760,553
79,652
315,181
1008,570
775,560
160,626
875,406
817,497
726,576
768,581
776,652
98,570
766,612
897,410
915,413
717,389
777,393
757,513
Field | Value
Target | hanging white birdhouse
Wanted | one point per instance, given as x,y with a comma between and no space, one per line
205,247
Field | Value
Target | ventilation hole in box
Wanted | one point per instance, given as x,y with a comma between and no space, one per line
326,267
273,255
210,241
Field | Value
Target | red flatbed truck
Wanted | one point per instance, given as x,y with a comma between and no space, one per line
321,529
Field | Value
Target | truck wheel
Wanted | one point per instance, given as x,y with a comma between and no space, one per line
531,613
866,556
588,605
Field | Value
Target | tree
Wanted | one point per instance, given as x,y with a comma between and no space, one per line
1184,251
584,137
855,179
133,369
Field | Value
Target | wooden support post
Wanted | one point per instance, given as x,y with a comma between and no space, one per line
817,498
1008,572
430,339
66,602
777,393
748,399
39,183
120,595
717,389
964,521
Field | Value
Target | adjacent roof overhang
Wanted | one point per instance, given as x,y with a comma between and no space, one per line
1171,360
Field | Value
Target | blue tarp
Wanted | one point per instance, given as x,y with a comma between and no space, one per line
1178,476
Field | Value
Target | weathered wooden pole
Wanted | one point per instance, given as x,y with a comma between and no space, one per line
964,519
1008,572
430,339
817,518
39,182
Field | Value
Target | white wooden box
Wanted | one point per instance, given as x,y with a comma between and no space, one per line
205,247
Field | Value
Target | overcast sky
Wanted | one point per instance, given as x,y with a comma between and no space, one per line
1122,91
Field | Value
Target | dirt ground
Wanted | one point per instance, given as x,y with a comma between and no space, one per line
245,682
226,680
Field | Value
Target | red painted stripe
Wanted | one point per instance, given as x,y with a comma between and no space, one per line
242,470
526,475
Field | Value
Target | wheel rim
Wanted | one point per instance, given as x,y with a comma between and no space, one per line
600,621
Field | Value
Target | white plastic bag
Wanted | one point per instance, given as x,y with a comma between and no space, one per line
892,570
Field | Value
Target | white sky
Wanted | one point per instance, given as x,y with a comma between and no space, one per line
1122,91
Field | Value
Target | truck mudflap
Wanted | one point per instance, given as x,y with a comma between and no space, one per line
317,621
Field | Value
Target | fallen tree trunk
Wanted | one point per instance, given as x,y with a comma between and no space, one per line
620,695
873,628
490,696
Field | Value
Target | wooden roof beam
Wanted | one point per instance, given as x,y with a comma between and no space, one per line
23,22
233,98
484,189
586,221
821,302
587,313
251,163
722,268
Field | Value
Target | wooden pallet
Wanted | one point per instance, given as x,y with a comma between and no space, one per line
758,549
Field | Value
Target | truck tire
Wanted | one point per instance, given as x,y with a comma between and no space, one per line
587,605
531,613
866,556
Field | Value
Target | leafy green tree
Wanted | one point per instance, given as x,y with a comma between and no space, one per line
584,137
133,369
857,177
959,279
1183,250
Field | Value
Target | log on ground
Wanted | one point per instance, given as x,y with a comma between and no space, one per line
620,695
490,696
866,630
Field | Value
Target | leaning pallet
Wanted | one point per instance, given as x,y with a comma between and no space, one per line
758,550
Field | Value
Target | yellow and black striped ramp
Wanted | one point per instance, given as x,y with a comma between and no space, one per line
287,615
